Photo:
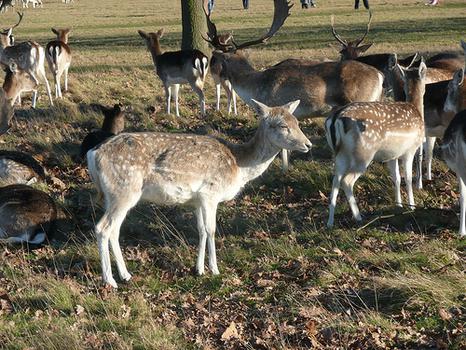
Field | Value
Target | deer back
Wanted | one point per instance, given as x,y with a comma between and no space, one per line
182,66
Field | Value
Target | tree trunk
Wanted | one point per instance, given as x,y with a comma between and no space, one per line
194,25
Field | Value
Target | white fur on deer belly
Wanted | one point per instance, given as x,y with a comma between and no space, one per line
396,144
170,193
176,80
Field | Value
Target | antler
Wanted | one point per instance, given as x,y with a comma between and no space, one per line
281,13
367,30
334,32
17,24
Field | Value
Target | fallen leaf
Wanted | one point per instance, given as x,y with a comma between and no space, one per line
230,332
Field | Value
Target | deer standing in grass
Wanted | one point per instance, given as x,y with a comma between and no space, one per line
319,87
454,139
58,54
172,169
383,131
28,56
177,67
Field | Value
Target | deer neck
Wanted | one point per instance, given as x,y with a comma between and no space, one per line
254,156
243,76
416,97
155,50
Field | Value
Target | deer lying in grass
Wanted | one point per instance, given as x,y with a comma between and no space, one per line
381,131
114,123
177,67
26,214
58,54
454,140
19,168
171,169
28,56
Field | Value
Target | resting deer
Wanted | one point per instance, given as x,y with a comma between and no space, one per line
319,87
26,214
172,169
58,54
19,168
381,131
177,67
454,139
28,56
114,123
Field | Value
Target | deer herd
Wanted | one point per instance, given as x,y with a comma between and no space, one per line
378,107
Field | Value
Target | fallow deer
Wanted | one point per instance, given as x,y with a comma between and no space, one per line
177,67
35,3
220,80
58,54
6,35
114,123
16,82
454,141
172,169
26,214
28,56
19,168
319,87
383,131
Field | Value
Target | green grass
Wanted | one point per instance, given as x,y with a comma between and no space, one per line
286,282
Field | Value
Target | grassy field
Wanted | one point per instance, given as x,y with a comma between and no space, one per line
396,281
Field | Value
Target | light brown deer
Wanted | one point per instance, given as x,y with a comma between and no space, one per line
174,169
177,67
319,87
28,56
383,131
58,54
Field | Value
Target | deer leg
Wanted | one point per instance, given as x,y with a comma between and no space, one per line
227,87
233,95
340,171
200,92
419,167
348,182
209,211
176,89
66,79
217,88
47,85
168,94
429,147
408,168
56,82
395,174
103,231
462,186
59,85
34,98
202,241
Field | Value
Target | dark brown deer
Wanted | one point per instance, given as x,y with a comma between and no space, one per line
26,214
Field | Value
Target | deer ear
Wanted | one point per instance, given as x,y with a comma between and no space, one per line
160,33
458,78
364,48
67,30
392,61
13,67
291,106
261,109
422,69
143,34
54,31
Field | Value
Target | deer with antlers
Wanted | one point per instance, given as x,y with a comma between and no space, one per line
58,54
383,131
177,67
320,87
28,56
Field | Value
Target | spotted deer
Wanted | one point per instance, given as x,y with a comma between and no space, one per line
177,67
319,87
175,169
58,54
221,80
454,140
28,56
19,168
383,131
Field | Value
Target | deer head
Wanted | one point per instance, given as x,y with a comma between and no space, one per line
62,34
226,43
455,91
6,35
352,49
